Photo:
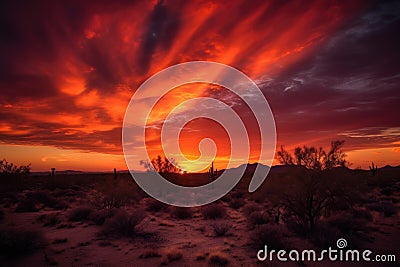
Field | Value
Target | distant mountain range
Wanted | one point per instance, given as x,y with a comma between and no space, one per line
249,168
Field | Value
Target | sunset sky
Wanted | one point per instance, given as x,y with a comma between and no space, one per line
68,69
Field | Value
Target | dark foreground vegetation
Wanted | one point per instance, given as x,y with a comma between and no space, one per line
100,218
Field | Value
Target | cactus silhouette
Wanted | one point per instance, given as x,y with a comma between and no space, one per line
52,171
373,169
211,173
115,174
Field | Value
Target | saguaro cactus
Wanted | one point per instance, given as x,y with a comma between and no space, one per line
373,168
115,174
211,173
52,171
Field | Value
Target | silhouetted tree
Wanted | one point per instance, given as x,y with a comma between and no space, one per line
315,158
161,165
314,194
10,174
284,157
9,169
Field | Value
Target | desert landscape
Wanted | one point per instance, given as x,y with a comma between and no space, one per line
100,219
297,102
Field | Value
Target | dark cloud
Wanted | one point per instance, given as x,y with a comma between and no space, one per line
163,26
351,82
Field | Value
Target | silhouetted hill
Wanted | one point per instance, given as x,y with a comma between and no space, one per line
250,167
390,167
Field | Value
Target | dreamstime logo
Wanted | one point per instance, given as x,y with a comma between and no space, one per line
152,90
341,243
330,254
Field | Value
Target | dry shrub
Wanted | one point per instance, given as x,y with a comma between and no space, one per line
346,223
226,198
237,203
343,225
150,254
155,205
389,209
218,259
250,208
27,205
51,219
171,256
68,192
237,194
182,213
270,235
221,228
257,218
124,224
362,214
17,242
60,241
99,217
44,197
213,211
113,194
325,236
79,214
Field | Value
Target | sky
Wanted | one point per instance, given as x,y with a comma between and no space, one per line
68,69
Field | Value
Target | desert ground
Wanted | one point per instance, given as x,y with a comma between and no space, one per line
83,219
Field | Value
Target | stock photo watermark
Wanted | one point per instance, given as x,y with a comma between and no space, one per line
338,253
152,90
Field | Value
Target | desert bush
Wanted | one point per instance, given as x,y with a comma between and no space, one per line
17,242
388,191
226,198
325,236
237,194
270,235
27,205
8,198
218,259
329,231
150,254
221,228
182,213
98,217
389,209
250,208
374,207
51,219
213,211
362,214
346,224
257,218
79,214
45,198
296,227
237,203
10,174
124,224
171,256
155,205
113,194
68,192
60,241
